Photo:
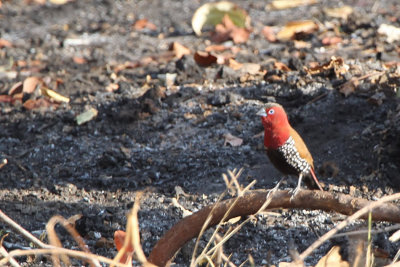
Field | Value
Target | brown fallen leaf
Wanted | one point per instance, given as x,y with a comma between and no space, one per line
216,48
232,140
5,43
377,99
119,239
179,50
339,12
295,27
281,66
251,68
337,64
332,259
331,40
269,34
204,59
6,99
213,14
227,30
31,104
144,24
16,89
79,60
284,4
234,64
349,87
30,84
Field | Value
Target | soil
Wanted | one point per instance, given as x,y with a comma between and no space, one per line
171,138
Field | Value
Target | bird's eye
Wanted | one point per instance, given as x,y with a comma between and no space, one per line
271,111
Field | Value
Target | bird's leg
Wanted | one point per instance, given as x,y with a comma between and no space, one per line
279,183
298,187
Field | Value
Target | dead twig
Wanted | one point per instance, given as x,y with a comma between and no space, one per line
22,231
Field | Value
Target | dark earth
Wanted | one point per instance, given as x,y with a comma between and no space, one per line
160,139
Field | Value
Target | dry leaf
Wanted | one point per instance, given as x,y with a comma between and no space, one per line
228,30
30,84
16,89
213,13
204,59
79,60
144,24
86,116
349,87
179,50
284,4
251,68
269,34
5,43
377,98
234,64
339,12
295,27
54,95
119,239
232,140
333,40
281,66
216,48
332,259
337,64
38,103
6,99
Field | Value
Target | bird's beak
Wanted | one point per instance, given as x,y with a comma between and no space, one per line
262,112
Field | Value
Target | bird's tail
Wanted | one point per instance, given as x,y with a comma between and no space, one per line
313,183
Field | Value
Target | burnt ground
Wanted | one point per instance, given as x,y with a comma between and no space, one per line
174,136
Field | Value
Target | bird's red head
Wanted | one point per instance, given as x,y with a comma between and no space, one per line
276,125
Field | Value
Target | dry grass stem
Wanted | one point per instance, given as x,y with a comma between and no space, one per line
234,177
54,241
55,250
22,231
12,261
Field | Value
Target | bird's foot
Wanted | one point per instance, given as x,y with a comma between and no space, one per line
294,192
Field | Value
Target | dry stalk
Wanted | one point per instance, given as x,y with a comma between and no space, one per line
208,252
4,253
55,250
22,231
133,236
209,217
54,241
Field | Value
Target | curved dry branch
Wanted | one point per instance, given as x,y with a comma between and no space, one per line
250,203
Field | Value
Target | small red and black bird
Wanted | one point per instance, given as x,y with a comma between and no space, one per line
285,148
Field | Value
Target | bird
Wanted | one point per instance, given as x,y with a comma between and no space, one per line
285,147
